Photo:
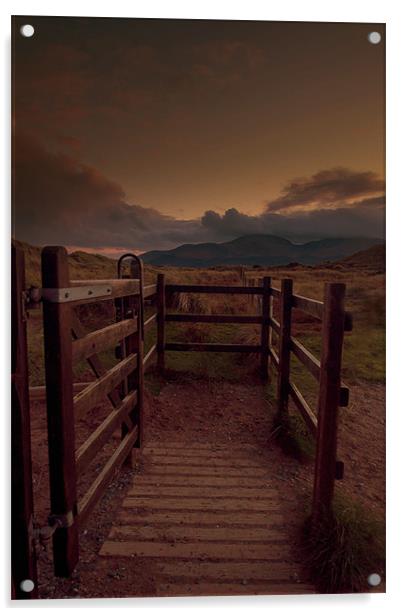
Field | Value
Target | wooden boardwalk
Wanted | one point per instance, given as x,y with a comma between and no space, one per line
209,520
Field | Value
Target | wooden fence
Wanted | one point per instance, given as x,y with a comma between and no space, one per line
67,343
326,370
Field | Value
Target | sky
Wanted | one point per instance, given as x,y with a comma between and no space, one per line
135,134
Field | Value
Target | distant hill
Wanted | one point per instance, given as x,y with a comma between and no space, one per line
247,250
371,259
266,250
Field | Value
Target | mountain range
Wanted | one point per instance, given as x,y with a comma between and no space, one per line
259,250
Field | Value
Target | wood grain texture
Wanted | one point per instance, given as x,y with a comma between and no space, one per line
97,391
161,309
285,317
328,401
102,339
57,326
218,533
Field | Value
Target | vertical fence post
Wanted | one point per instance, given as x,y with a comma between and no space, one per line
161,307
265,326
129,310
139,346
285,319
60,410
328,400
23,557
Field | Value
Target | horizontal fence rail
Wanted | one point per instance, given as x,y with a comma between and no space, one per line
213,318
199,288
213,347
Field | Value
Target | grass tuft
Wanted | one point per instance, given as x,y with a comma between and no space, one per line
292,434
344,549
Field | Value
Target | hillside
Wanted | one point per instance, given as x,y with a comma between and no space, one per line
83,265
266,250
371,259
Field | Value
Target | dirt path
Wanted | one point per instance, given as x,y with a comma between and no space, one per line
362,446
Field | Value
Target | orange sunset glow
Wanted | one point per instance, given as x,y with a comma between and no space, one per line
145,134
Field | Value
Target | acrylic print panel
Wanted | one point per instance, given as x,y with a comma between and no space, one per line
198,240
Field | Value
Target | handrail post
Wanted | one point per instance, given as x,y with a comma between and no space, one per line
285,320
133,344
57,326
328,401
133,307
161,307
23,557
265,326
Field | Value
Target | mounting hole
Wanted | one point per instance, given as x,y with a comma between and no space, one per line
374,38
27,30
27,585
374,579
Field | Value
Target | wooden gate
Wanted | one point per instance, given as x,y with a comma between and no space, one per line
67,343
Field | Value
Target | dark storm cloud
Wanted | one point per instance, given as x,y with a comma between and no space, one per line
330,203
330,187
59,200
361,219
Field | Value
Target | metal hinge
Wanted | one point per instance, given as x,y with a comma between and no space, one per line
44,534
72,294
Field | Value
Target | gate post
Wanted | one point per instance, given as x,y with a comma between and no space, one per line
161,308
57,328
137,271
265,326
23,556
328,401
285,320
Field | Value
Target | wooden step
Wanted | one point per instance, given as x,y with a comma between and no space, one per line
226,551
208,518
233,453
203,491
201,589
198,533
198,471
203,504
232,571
187,480
206,461
197,445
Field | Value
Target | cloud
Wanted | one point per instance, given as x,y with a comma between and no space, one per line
327,188
60,200
362,219
331,203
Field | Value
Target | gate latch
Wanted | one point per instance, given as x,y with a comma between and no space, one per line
44,534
